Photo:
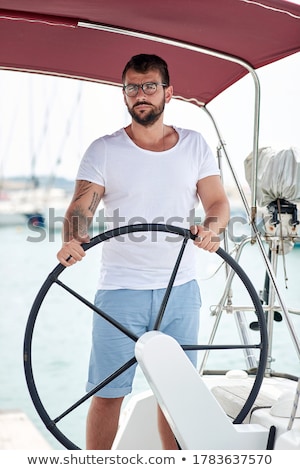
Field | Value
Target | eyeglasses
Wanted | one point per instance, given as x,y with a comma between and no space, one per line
149,88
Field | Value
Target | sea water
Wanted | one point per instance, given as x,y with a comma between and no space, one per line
61,336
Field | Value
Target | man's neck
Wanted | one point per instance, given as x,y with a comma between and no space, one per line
157,137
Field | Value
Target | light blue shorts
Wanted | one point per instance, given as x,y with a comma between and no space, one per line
137,310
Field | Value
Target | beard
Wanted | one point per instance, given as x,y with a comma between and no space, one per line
148,117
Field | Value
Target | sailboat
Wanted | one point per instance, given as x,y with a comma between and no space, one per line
209,46
30,200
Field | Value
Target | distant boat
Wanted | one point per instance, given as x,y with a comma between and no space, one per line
31,207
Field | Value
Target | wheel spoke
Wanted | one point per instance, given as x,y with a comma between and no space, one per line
98,310
96,389
211,347
170,285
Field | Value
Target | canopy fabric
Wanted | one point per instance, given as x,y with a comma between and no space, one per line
46,37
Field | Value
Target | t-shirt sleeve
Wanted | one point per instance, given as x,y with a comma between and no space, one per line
92,166
208,163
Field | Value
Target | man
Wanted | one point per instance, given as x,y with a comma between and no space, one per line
147,172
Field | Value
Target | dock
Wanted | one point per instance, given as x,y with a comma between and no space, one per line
17,432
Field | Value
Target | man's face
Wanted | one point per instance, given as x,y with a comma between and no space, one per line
146,109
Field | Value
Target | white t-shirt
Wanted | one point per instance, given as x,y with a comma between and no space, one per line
143,186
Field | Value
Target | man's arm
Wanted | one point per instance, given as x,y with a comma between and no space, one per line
216,208
77,220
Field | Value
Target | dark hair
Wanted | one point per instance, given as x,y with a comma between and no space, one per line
143,62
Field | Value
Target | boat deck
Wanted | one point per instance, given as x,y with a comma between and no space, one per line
272,407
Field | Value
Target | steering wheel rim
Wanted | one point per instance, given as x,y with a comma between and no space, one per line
53,278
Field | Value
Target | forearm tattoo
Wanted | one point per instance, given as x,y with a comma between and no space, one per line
77,224
82,188
94,203
80,223
79,220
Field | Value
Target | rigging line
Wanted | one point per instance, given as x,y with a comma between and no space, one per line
44,130
69,121
281,241
267,7
6,154
48,21
234,250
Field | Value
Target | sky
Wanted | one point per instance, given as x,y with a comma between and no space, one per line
46,123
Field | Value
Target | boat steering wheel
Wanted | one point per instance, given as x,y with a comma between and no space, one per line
52,278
